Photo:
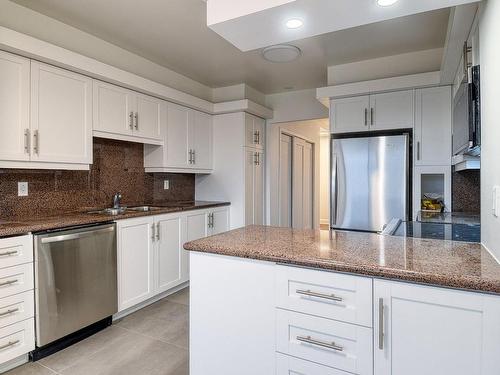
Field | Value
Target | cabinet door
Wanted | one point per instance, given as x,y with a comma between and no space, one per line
114,109
135,261
201,142
349,114
14,107
177,136
259,126
220,220
287,365
392,110
147,119
196,227
254,131
425,330
258,190
169,241
250,166
61,115
432,145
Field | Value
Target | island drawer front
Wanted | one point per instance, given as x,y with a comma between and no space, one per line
286,365
17,279
16,250
16,308
346,298
343,346
17,339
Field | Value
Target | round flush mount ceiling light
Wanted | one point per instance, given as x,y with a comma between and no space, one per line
294,23
386,3
281,53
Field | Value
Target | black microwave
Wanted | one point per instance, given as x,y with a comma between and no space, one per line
467,115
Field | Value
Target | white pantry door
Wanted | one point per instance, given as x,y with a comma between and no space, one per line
285,183
302,184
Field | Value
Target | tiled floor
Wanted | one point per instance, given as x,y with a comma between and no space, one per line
151,341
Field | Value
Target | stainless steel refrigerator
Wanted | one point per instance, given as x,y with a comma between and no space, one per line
369,181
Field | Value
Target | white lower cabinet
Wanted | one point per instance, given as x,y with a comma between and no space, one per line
426,330
151,257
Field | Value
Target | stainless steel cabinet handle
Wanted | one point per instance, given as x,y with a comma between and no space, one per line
194,156
255,139
258,137
212,220
75,236
381,323
131,120
190,160
418,150
27,141
309,293
9,282
136,117
6,253
323,344
366,116
153,236
10,311
158,231
35,142
9,344
372,116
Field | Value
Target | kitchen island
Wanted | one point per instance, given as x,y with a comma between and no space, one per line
272,300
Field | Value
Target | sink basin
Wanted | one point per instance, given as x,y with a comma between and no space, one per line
109,211
143,208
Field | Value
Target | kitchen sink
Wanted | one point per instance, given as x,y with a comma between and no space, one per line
144,208
109,211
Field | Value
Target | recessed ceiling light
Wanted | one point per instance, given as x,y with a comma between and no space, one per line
281,53
386,3
294,23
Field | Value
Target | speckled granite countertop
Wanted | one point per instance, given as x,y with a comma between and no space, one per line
443,263
15,227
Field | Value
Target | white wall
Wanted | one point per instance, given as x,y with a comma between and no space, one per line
489,36
324,179
309,130
27,21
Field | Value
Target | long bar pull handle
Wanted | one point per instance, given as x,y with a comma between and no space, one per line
153,235
194,156
418,150
258,137
323,344
76,236
190,156
366,116
27,141
7,253
310,293
333,190
255,138
131,120
136,117
158,231
9,282
10,311
36,140
381,323
9,344
372,116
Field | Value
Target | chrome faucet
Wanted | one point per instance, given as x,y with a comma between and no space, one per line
117,200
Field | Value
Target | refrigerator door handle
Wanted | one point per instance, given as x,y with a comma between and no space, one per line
334,191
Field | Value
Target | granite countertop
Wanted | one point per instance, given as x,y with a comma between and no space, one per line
36,224
437,262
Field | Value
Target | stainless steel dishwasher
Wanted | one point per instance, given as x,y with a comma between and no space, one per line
75,280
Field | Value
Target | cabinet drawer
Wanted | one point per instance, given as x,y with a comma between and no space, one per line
16,340
286,365
16,308
17,279
330,295
343,346
16,250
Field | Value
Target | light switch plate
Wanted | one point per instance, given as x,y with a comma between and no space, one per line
22,189
166,184
496,201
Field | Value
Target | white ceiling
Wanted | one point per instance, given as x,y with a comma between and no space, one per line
173,33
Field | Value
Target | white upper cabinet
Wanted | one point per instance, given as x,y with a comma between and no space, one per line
425,330
14,107
350,114
188,142
432,143
392,110
61,115
254,131
126,115
385,111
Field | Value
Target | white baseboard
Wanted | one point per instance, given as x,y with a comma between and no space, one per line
130,310
13,363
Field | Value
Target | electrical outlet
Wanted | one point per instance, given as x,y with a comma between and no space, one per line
22,189
166,184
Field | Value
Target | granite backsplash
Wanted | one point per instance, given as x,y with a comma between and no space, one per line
466,191
118,167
